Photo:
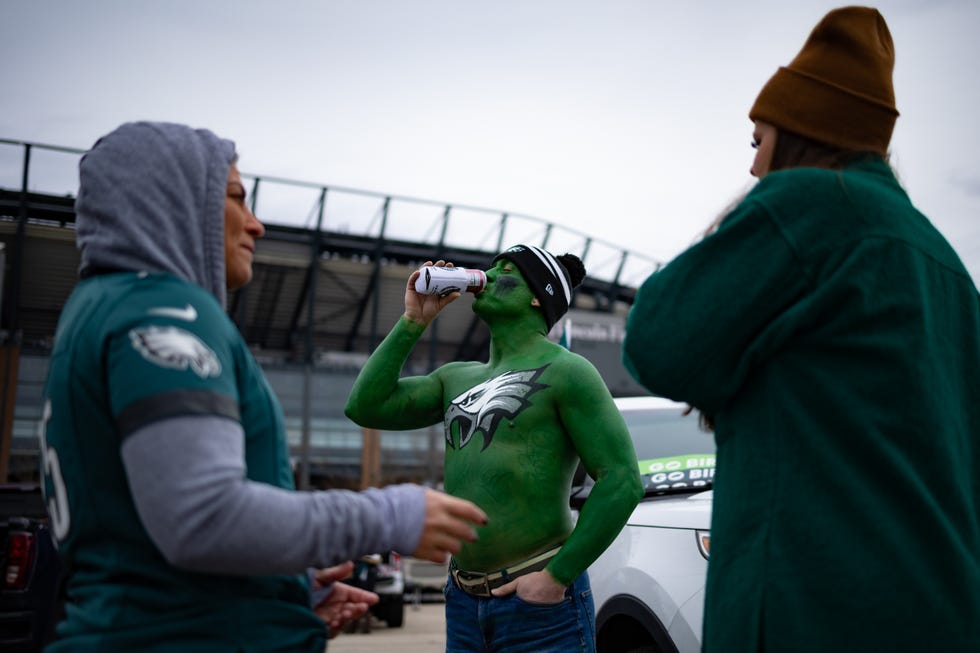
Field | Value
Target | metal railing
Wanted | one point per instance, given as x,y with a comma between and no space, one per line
32,167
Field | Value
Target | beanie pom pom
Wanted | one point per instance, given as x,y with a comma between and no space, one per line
575,268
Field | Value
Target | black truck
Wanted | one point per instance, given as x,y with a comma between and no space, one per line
31,584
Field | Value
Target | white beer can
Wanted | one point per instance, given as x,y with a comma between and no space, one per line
434,280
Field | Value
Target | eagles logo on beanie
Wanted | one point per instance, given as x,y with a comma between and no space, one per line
838,90
548,277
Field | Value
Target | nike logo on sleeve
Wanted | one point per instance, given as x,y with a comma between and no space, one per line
187,314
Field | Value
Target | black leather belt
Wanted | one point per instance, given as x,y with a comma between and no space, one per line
482,584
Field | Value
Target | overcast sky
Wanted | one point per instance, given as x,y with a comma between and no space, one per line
625,120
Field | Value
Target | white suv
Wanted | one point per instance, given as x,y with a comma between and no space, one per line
648,585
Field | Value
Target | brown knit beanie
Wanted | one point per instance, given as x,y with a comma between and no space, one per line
838,89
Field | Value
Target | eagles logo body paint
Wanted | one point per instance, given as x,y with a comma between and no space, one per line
482,407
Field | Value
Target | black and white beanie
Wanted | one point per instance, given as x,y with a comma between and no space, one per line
547,278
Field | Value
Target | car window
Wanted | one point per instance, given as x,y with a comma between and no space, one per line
673,453
665,433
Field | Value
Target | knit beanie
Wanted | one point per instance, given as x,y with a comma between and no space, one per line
546,276
838,89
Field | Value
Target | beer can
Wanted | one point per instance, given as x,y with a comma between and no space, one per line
434,280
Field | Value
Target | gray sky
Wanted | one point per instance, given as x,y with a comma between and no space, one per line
622,119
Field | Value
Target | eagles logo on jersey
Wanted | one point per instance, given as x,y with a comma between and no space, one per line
481,408
175,348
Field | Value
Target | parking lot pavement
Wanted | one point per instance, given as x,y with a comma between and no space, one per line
423,632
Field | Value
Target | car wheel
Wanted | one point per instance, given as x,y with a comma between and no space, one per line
395,614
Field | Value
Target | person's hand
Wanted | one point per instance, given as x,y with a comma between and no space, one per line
447,524
327,575
424,308
344,603
537,587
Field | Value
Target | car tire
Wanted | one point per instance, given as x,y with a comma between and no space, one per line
395,614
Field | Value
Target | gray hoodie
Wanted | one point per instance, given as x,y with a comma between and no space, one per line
152,199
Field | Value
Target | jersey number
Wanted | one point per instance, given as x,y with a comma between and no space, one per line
57,504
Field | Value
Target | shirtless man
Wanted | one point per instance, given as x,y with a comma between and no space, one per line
516,427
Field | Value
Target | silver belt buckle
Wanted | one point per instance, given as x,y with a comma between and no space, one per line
476,590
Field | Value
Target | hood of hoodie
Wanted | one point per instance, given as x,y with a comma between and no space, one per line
151,198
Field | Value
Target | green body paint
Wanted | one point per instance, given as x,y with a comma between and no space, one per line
516,427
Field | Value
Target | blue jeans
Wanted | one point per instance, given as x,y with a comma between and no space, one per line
512,625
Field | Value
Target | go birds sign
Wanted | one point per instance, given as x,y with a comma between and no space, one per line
678,472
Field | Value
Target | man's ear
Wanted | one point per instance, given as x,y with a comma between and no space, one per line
535,302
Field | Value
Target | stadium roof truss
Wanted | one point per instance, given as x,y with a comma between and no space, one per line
330,272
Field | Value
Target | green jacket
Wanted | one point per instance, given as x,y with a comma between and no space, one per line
834,336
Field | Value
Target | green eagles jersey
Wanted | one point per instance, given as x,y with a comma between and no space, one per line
133,348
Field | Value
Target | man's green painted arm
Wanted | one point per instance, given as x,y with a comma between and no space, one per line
604,445
381,399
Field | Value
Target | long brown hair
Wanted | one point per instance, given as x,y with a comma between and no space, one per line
795,151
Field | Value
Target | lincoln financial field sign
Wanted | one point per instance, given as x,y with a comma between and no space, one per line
599,337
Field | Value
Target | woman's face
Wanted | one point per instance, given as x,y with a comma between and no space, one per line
242,229
764,142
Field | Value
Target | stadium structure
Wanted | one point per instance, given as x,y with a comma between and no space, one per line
329,282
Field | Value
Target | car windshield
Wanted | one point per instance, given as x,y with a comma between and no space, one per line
666,432
672,451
